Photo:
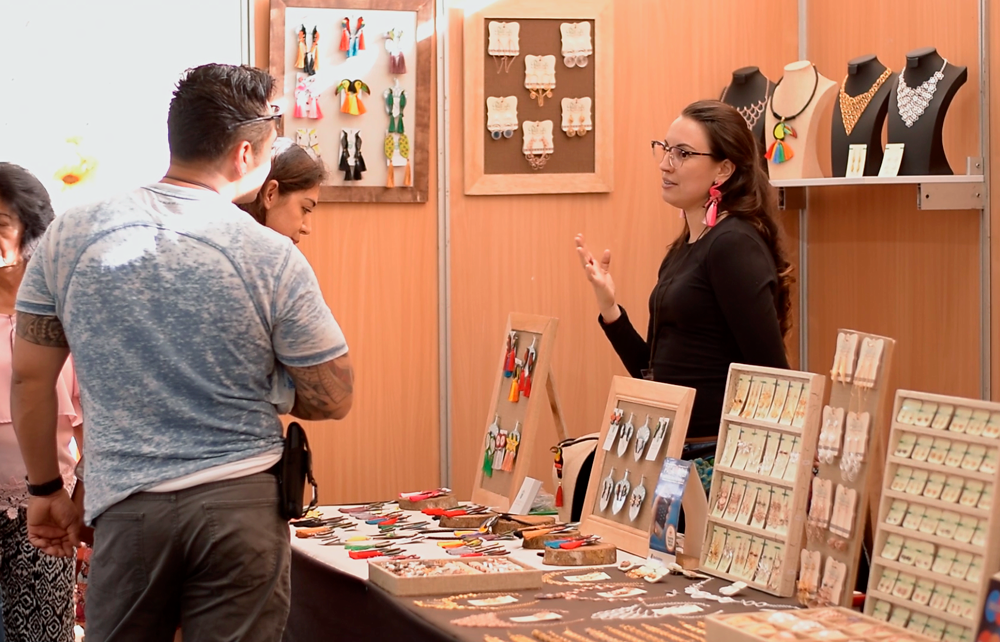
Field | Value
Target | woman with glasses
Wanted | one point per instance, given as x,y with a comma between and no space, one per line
37,588
722,295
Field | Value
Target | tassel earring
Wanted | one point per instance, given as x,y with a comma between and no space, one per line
300,59
712,205
345,34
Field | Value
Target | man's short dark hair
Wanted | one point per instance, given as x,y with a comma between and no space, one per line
208,107
25,194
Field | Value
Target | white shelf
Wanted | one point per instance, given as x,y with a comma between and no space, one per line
877,180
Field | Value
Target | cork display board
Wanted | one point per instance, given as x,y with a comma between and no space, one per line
539,99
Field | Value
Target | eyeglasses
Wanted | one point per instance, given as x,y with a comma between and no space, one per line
675,155
275,115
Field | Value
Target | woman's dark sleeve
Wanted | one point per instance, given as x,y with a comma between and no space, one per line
631,348
743,278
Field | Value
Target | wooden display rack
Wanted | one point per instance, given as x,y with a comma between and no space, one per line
499,489
854,398
937,421
779,425
836,623
640,397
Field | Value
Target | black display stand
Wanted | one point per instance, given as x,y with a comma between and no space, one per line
748,92
862,74
923,153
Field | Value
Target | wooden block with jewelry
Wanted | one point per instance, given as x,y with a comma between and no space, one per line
439,498
563,553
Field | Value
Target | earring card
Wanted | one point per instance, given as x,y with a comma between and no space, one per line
626,524
761,478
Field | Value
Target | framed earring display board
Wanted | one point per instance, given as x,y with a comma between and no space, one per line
850,427
935,541
644,423
524,381
354,78
761,478
539,99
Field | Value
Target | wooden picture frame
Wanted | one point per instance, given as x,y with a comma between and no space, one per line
740,429
986,518
655,400
418,126
499,489
601,179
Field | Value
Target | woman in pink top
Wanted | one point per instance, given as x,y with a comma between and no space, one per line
37,589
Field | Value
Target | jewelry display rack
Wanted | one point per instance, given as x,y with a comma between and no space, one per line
760,483
934,547
644,423
524,381
849,431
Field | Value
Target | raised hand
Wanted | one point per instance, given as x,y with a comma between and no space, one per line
597,271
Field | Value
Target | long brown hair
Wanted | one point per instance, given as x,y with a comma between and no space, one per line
748,193
294,170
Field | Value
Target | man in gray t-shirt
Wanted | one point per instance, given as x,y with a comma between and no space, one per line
178,307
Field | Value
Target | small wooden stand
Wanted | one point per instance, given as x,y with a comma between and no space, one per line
444,501
593,555
636,398
498,490
856,399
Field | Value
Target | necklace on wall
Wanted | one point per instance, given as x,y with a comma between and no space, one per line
780,151
752,112
913,101
852,107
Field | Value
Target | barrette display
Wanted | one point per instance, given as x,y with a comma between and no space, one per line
770,429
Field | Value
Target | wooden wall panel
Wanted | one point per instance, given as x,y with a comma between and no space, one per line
994,191
876,263
515,253
377,266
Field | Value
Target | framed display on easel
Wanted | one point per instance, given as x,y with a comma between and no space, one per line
644,423
524,389
539,99
354,86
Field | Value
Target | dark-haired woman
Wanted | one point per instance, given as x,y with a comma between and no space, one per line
285,203
37,588
722,295
289,195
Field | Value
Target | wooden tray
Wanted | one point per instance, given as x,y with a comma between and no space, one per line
529,578
738,627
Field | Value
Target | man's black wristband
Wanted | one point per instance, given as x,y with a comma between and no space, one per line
48,488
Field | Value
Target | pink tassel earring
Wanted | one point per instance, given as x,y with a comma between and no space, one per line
712,205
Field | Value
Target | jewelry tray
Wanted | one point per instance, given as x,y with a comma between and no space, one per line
805,431
529,578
